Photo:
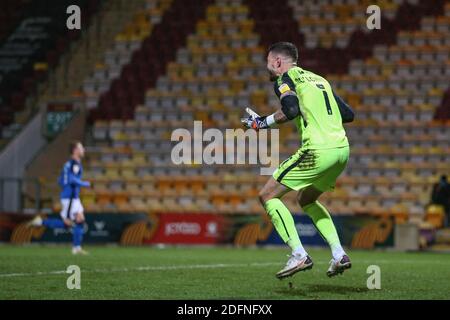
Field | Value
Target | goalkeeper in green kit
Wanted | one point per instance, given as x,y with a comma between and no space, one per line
308,100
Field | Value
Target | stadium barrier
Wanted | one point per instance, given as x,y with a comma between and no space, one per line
356,231
11,199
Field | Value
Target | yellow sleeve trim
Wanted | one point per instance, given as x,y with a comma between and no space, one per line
283,88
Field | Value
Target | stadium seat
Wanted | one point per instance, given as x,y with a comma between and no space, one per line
177,62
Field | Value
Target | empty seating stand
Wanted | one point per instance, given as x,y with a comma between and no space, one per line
37,36
206,64
149,61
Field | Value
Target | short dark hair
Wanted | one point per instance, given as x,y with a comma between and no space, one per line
285,48
72,145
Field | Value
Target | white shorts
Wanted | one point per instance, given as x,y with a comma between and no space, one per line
70,208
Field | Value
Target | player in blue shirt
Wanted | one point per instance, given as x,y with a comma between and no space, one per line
72,213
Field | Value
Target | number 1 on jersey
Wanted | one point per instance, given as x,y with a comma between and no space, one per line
325,96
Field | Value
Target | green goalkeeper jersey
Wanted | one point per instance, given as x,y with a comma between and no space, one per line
319,123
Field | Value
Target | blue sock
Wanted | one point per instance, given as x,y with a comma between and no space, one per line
53,223
78,230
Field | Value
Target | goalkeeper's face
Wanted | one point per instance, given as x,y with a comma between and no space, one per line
273,66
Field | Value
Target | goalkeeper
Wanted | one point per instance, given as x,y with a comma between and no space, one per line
308,100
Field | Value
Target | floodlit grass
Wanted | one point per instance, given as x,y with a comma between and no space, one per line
38,272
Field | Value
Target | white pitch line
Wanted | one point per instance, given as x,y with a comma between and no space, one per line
40,273
208,266
148,268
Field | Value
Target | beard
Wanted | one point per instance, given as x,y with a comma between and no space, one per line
272,76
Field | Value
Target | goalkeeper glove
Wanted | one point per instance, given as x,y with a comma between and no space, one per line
255,123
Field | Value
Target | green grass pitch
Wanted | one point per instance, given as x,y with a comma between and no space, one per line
38,272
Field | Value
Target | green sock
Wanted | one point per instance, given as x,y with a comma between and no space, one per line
284,224
323,222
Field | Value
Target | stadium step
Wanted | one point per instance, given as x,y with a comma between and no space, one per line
22,87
